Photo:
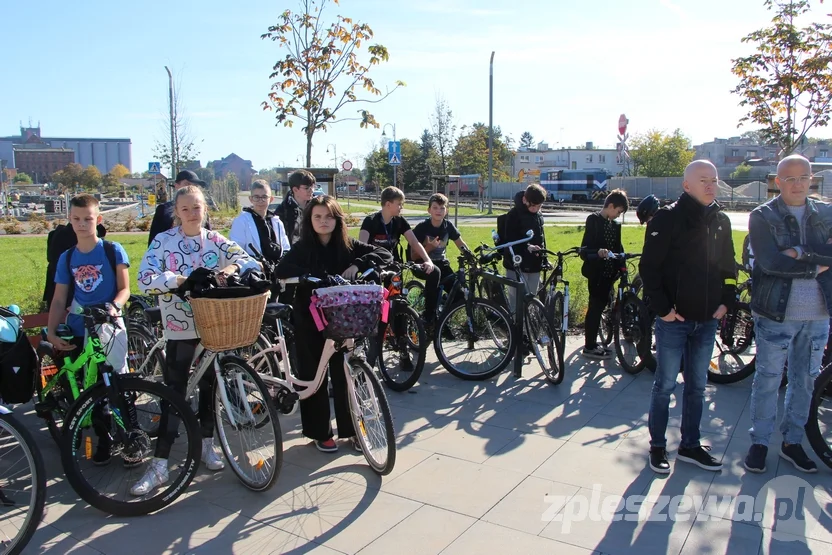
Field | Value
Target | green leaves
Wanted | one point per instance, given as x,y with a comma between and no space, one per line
655,154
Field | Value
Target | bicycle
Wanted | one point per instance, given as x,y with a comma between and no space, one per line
819,424
123,411
536,325
22,484
556,301
401,345
372,419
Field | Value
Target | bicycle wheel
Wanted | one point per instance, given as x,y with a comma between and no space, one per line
403,347
476,343
53,405
247,425
555,312
95,415
543,338
607,327
371,417
22,485
730,373
819,424
142,359
415,291
630,334
736,330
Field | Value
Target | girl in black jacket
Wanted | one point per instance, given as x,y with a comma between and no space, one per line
325,248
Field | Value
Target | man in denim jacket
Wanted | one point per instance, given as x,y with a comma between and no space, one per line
791,299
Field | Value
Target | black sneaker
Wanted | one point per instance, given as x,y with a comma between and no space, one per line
795,454
755,461
700,457
101,457
658,460
595,353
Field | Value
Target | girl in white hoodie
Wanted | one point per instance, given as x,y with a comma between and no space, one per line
171,258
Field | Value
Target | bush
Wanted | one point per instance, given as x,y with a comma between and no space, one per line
11,226
352,221
39,224
130,223
144,224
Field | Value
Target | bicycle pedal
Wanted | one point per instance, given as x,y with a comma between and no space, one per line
44,408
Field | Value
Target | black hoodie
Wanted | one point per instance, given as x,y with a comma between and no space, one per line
688,260
519,221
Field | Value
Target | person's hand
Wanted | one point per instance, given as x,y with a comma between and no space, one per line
428,266
58,343
721,311
350,273
535,248
113,311
790,252
672,316
434,241
603,253
822,269
180,280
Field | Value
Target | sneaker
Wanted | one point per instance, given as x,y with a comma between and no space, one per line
658,460
700,457
795,454
212,459
101,457
595,353
328,446
356,444
755,460
156,475
406,364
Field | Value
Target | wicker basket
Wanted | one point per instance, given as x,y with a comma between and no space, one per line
227,324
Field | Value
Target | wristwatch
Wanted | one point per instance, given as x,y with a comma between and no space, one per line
117,305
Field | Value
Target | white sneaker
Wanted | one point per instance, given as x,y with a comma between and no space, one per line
156,475
212,459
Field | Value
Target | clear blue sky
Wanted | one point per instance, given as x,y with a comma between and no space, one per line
563,70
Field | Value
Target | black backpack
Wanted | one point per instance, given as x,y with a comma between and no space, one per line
18,366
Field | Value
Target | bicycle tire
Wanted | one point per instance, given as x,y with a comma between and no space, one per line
360,370
813,430
59,397
400,309
140,341
740,316
606,330
554,308
631,308
75,426
443,330
544,340
262,407
743,373
415,295
37,495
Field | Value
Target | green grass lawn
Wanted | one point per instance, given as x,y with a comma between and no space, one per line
23,260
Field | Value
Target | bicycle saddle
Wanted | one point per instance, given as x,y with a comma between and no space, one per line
154,314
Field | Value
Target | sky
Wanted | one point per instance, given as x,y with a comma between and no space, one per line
563,71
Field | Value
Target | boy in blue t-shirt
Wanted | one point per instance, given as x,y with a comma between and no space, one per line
94,282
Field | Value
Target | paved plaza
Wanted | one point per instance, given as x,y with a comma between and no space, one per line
475,462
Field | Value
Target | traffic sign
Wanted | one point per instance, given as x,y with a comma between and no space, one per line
154,167
346,166
394,153
622,124
151,200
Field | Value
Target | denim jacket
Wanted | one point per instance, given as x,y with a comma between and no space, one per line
773,229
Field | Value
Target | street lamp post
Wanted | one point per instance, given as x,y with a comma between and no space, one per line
393,125
173,161
490,133
335,165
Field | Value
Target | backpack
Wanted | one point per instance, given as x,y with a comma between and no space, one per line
18,365
59,241
109,250
501,228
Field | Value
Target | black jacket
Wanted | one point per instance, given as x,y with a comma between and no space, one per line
593,241
519,221
317,260
163,221
290,213
688,260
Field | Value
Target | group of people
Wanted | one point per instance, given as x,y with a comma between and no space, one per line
687,267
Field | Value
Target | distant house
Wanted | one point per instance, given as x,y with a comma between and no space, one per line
232,163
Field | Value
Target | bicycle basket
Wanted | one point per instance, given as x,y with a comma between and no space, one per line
349,311
227,324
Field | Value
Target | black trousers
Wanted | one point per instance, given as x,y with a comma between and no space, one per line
315,416
599,294
443,269
179,354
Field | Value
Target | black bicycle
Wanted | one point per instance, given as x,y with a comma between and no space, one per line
819,423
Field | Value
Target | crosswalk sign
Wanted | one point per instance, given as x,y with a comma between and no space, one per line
394,153
154,167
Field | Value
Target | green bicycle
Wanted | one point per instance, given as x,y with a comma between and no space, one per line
120,412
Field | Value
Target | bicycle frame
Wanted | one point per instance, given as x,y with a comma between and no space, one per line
90,358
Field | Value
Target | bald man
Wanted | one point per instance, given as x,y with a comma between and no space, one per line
791,300
690,280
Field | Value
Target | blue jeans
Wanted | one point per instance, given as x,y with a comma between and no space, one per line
674,340
802,342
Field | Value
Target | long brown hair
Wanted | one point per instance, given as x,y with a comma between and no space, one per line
340,235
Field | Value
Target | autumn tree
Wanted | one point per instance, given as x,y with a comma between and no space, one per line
119,171
69,176
526,140
322,72
110,183
786,84
21,177
656,154
443,131
470,155
90,178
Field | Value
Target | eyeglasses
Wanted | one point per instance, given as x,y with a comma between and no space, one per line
802,179
259,198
